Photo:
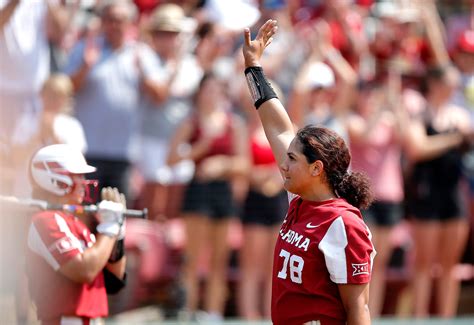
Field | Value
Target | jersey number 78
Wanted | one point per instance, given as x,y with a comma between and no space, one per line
296,264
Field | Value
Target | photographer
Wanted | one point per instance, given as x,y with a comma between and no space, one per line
70,270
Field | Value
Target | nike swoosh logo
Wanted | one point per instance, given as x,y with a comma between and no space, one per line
309,225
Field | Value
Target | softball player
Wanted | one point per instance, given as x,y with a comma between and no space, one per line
323,256
70,270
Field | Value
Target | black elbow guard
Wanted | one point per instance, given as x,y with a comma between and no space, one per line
112,283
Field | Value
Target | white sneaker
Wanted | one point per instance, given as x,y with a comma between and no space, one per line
203,317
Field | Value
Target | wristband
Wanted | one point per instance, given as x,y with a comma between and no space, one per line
111,229
259,87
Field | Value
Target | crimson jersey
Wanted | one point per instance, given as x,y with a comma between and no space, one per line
54,238
320,245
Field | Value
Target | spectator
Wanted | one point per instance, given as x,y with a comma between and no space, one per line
71,270
26,28
107,84
213,44
279,66
170,89
315,98
76,14
463,58
344,21
397,39
435,140
376,133
216,140
56,124
262,214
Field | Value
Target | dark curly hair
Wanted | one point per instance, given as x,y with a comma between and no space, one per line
320,143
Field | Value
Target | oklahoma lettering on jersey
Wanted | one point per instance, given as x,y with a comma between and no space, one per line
295,239
54,238
320,245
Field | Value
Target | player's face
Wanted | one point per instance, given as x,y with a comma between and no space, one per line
78,190
296,170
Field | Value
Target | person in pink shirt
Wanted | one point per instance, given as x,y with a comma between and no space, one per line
215,139
437,140
262,213
376,140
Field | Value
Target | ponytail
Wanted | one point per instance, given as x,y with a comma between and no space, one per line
354,187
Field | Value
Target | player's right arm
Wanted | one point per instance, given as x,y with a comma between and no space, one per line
276,122
355,298
53,237
85,267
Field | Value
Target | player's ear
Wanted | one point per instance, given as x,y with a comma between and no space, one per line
317,168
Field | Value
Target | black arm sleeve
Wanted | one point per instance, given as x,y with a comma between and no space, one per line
260,89
118,251
112,283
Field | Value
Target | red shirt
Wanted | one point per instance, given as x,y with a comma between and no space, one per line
222,144
262,153
54,238
320,245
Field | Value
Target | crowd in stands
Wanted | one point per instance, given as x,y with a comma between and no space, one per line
395,78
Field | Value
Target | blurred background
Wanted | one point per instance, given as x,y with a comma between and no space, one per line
120,79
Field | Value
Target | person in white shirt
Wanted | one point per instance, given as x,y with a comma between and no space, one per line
26,28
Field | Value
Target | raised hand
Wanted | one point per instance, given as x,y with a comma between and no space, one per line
253,49
321,39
